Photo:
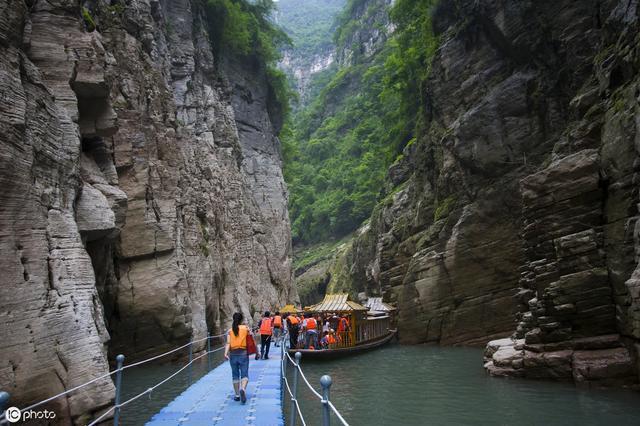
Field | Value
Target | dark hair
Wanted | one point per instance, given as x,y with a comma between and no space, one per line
266,313
237,319
277,312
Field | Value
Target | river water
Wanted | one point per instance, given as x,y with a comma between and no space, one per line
430,385
418,385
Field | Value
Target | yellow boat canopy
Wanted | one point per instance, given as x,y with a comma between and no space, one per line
336,303
289,309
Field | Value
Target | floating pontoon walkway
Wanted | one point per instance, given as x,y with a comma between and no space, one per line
209,401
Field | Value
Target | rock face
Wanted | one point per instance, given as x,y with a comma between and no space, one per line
517,205
143,200
369,30
303,73
592,361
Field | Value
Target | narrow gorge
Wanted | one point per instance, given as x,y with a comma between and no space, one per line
166,163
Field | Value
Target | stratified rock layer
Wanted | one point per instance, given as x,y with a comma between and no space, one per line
517,205
142,196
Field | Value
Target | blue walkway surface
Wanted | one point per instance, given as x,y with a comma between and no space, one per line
209,401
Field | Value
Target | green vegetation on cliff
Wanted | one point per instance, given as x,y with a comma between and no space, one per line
337,149
244,28
309,23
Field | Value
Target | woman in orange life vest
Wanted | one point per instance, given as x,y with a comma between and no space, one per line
277,327
266,329
236,352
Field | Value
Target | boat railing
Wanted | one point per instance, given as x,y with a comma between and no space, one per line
120,368
343,340
372,328
325,383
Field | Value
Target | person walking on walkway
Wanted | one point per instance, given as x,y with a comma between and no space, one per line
236,352
266,330
277,328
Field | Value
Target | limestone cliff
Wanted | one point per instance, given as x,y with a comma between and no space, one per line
518,201
142,196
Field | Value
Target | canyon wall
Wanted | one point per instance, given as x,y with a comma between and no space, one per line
142,197
516,207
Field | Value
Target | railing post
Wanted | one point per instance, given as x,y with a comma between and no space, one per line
325,382
294,400
285,362
116,412
4,402
208,351
190,358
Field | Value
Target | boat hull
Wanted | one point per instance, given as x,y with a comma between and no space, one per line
341,352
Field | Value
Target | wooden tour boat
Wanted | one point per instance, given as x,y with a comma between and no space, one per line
369,326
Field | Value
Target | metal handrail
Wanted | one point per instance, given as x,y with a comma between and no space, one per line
151,389
135,364
293,399
104,376
316,393
325,382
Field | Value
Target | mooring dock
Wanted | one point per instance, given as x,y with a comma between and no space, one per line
209,401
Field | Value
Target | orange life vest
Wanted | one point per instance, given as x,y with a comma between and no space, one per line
293,319
239,341
277,321
265,326
342,325
330,339
311,323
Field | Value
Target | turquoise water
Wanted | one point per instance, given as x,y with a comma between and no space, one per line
417,385
138,379
428,385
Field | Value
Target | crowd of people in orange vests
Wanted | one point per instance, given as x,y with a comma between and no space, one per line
306,331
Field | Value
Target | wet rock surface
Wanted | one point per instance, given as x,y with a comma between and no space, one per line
597,362
143,200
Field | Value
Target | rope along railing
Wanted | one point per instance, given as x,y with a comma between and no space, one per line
294,401
119,406
4,396
325,383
